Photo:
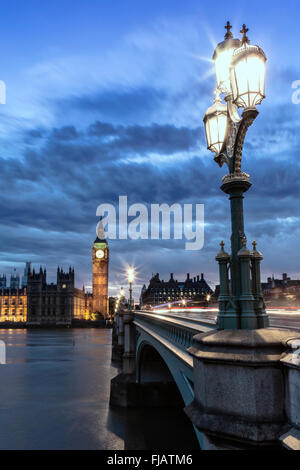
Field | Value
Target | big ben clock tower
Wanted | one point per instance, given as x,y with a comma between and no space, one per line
100,256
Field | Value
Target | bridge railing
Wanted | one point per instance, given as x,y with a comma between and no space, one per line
173,331
179,330
246,382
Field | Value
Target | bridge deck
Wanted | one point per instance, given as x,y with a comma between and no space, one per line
279,317
174,333
175,329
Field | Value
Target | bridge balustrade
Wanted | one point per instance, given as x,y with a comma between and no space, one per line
241,388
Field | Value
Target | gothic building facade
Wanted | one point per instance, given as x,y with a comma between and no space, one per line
13,305
160,292
55,304
284,289
38,303
13,299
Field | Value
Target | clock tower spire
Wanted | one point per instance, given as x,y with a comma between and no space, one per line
100,258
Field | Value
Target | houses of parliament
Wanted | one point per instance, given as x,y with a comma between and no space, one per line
33,301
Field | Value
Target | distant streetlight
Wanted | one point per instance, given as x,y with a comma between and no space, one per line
130,277
240,74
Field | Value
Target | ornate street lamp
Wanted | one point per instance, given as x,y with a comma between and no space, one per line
247,74
222,59
130,276
240,74
215,121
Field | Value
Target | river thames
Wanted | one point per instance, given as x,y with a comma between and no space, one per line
55,395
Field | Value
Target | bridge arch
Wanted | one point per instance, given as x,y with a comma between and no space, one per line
155,363
161,349
151,367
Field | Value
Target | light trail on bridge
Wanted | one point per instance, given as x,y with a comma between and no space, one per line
286,317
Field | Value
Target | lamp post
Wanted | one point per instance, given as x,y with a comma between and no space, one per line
240,74
130,275
121,293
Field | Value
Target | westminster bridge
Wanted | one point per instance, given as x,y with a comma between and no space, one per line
240,388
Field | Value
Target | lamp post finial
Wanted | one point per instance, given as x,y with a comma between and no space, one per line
244,32
228,27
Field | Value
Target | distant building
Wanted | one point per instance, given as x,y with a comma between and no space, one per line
112,306
15,281
13,305
55,304
13,300
285,288
88,308
143,291
25,276
2,281
160,292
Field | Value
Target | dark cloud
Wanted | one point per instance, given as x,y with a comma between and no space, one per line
50,195
156,138
117,105
65,133
103,129
36,133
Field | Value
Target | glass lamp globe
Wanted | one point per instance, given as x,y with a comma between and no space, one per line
130,274
222,58
247,75
215,121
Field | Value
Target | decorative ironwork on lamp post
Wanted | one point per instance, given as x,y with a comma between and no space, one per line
240,73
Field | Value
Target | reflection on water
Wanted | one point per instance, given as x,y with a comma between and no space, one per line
55,394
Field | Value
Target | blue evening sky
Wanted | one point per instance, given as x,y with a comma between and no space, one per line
106,98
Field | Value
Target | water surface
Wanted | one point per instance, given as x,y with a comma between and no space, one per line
55,395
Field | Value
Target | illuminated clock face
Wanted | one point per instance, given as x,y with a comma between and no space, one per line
100,254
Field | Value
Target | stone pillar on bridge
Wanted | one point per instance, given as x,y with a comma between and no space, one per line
115,330
291,363
129,389
118,338
240,385
129,343
124,389
121,329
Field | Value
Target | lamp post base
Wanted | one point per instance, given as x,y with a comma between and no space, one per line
233,321
228,322
241,386
241,300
